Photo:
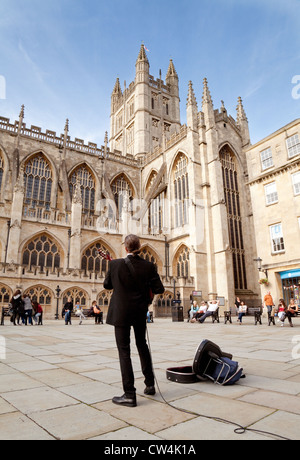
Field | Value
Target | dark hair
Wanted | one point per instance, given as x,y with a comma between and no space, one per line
133,244
18,292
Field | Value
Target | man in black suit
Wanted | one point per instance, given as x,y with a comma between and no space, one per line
132,279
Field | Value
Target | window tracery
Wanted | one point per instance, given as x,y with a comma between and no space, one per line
42,252
88,188
38,186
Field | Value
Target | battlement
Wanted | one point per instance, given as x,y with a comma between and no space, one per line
79,145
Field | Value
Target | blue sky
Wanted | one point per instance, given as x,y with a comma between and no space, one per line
61,57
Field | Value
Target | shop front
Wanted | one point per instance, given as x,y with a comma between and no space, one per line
291,285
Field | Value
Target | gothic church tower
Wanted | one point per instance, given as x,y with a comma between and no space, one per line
146,113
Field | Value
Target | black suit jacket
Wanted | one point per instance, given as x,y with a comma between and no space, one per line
130,298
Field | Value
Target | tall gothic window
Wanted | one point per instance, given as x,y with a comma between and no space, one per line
92,262
232,198
122,192
183,262
1,171
181,191
42,252
38,186
156,209
88,189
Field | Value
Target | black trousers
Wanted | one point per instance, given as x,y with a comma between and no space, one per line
123,343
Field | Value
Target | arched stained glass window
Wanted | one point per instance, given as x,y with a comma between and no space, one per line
40,294
91,260
183,262
43,252
122,192
5,295
88,188
77,295
38,186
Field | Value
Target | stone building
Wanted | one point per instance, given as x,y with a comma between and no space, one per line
182,188
274,180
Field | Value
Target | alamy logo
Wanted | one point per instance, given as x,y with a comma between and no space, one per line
296,89
2,87
2,348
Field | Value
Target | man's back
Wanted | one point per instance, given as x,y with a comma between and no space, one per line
130,299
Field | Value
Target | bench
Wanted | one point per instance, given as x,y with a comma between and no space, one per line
5,313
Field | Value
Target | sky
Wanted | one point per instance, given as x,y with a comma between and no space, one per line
61,58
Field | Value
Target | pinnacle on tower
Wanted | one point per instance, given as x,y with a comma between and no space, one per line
206,93
142,55
117,88
171,70
241,114
191,99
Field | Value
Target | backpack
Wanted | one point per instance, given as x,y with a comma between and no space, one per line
224,371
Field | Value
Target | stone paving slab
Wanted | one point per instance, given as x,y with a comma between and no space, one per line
57,382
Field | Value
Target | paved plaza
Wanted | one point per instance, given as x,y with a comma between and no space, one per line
57,382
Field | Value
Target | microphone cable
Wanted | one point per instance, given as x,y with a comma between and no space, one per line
239,428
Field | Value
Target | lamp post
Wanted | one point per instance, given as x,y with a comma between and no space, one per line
259,266
58,291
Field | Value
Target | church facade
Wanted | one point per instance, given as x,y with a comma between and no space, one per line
182,188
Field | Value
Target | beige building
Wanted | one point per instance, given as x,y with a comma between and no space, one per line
182,188
274,179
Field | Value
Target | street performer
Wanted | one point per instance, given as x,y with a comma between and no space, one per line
132,280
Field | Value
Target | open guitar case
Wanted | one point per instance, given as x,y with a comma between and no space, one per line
207,359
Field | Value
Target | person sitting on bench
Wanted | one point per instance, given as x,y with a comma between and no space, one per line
212,308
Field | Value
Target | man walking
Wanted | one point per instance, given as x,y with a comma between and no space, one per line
132,279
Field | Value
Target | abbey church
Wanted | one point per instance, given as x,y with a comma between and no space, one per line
182,188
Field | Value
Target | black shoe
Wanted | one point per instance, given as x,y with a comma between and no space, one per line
150,391
125,401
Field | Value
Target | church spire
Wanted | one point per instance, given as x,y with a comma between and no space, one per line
207,106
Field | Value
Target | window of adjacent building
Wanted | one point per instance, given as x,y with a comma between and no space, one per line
296,183
266,159
271,193
277,238
293,145
181,189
